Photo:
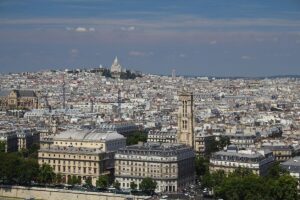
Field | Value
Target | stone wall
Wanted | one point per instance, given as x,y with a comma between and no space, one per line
60,194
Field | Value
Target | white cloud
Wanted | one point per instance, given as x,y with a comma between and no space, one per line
130,28
246,57
81,29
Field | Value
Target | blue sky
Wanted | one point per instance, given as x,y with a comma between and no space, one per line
195,37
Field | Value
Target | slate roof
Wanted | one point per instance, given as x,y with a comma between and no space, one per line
25,93
88,135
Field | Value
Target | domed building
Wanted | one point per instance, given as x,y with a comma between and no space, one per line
116,69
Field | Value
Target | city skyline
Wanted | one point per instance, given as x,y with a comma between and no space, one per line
201,38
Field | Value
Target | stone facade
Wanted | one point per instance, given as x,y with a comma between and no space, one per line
231,159
82,153
202,142
170,165
22,99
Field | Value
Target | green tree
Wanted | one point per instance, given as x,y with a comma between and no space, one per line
276,171
46,174
214,179
27,171
58,178
133,185
241,172
11,171
103,181
148,185
117,185
88,182
285,187
249,187
215,145
201,166
243,185
223,142
2,146
73,180
136,137
33,151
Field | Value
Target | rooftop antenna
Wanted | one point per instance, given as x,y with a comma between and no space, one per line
92,104
119,103
64,91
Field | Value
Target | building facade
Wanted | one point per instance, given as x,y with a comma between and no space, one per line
231,159
86,154
27,137
16,140
281,152
25,99
10,140
170,165
162,136
203,142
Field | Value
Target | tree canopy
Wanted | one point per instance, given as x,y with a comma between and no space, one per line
136,137
46,174
103,181
242,184
148,185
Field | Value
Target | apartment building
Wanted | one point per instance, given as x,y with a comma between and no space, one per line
163,136
229,160
170,165
82,153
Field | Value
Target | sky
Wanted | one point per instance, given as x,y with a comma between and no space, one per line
194,37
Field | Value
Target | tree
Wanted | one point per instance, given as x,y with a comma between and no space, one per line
241,172
58,178
223,142
201,166
136,137
276,171
244,185
73,180
88,182
148,185
11,171
214,179
285,187
215,145
117,185
2,146
133,185
46,174
103,181
27,171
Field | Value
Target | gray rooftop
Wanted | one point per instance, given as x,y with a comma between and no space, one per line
153,148
88,135
292,165
71,150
